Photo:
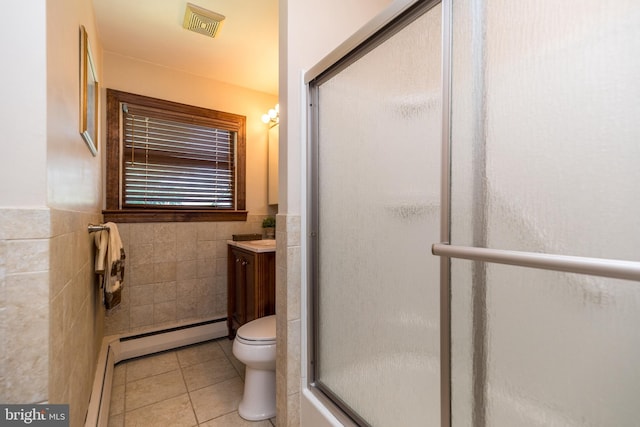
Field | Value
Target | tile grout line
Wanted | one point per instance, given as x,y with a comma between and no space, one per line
237,374
186,386
126,390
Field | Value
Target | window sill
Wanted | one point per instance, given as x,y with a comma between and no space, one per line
164,215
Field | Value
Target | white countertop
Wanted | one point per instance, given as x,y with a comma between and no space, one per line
258,246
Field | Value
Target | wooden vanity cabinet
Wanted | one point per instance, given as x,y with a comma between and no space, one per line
251,286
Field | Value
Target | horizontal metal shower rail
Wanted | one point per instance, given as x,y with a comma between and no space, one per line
617,269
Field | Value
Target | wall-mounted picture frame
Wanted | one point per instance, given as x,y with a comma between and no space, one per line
88,95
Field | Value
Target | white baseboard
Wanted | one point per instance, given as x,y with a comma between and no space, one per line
116,348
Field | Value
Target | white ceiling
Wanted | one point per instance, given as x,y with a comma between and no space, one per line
244,52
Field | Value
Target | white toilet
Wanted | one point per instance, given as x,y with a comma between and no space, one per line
255,346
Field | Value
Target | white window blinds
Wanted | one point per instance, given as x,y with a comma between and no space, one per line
176,160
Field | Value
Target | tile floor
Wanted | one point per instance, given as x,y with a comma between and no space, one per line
199,385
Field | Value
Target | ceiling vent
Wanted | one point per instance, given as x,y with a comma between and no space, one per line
202,21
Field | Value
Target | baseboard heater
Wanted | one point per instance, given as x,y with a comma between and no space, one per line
117,348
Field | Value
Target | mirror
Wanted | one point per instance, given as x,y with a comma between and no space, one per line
272,177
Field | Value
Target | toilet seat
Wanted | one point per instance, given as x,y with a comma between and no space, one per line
261,331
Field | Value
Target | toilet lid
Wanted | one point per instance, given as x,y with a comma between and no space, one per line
262,329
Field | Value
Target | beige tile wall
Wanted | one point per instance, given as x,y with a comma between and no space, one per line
288,287
175,273
24,305
76,321
50,316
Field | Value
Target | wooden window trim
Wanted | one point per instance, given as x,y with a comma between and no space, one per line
115,213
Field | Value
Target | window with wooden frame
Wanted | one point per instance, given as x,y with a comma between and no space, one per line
173,162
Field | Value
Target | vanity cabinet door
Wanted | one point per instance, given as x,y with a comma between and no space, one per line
239,312
265,284
250,286
248,283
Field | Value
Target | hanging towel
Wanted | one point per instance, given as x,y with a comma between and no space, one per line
110,263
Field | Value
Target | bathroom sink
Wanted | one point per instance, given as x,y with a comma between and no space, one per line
265,242
266,245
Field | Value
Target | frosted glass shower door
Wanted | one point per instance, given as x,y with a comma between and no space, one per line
377,209
545,143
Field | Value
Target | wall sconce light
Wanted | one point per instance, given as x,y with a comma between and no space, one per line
273,116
